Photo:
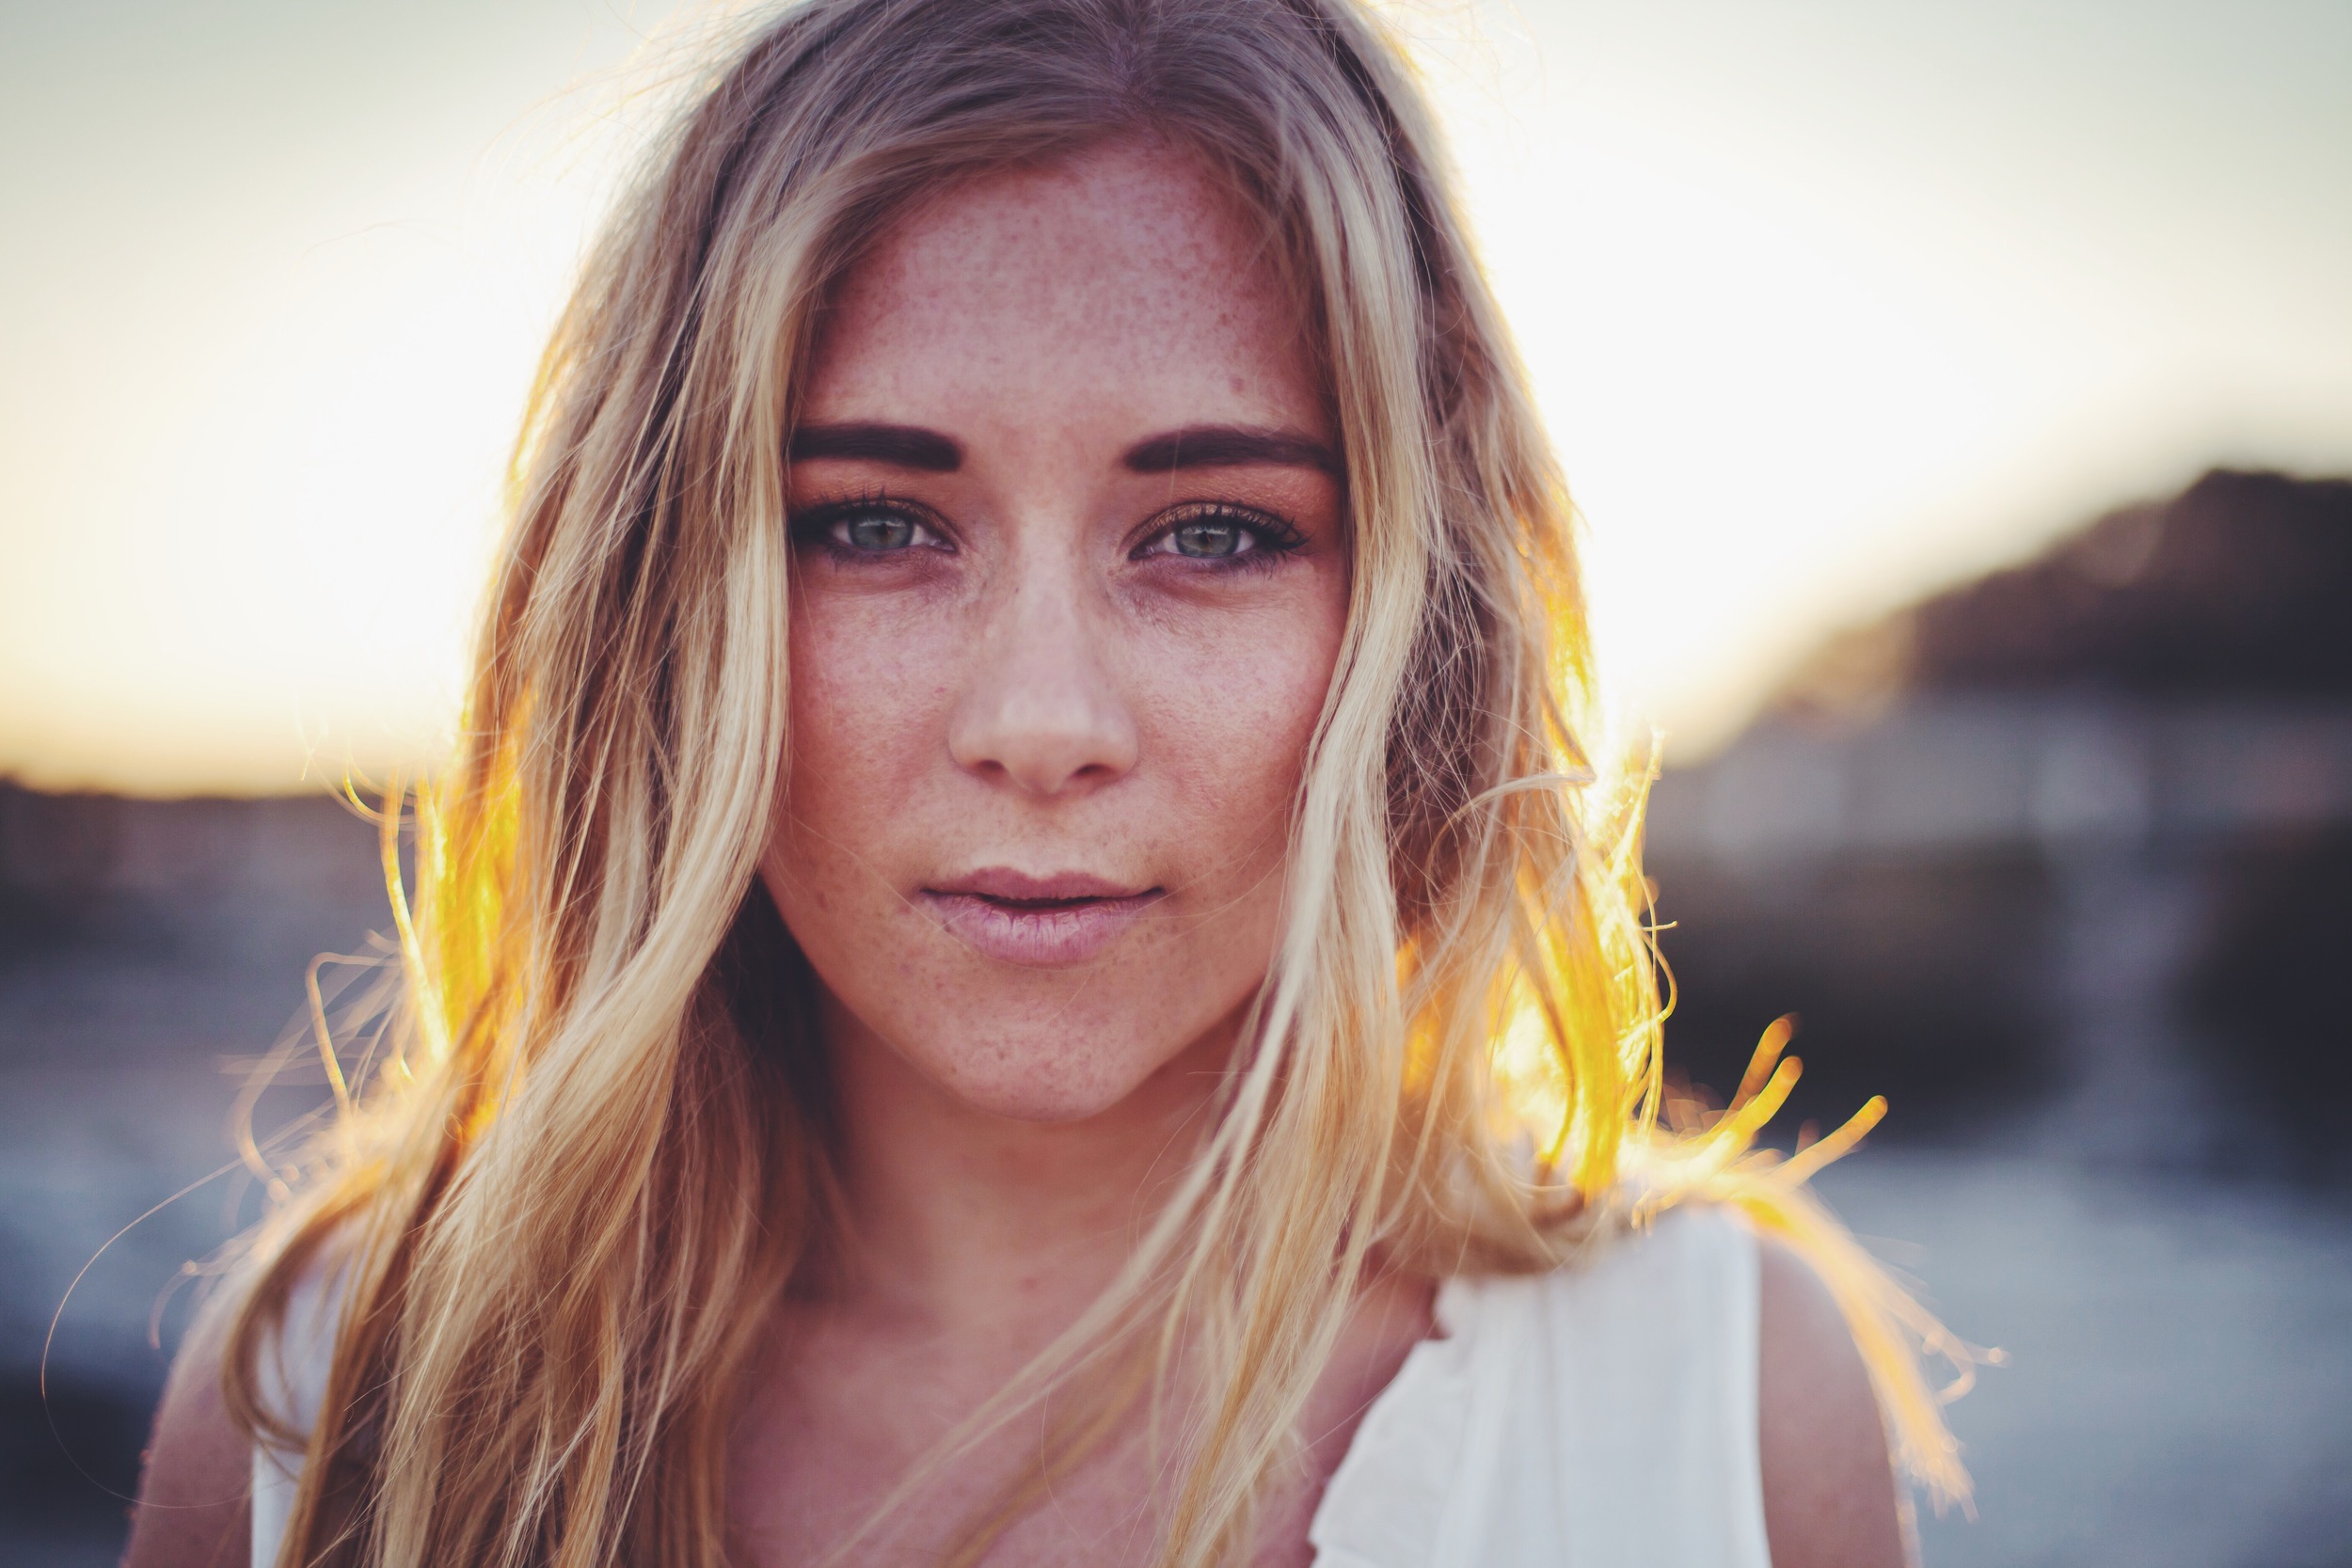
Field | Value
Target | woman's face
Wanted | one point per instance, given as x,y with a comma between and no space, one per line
1070,581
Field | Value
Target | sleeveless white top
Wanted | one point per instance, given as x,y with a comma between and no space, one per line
1602,1416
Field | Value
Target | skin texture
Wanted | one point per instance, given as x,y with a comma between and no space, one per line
1830,1500
1008,675
191,1510
1044,687
1048,689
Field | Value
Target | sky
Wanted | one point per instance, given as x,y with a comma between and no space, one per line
1827,303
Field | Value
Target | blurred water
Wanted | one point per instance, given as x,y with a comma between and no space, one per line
2179,1381
2178,1392
149,954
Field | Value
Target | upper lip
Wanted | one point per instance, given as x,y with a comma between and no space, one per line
1002,884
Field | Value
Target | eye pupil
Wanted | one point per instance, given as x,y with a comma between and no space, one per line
880,530
1209,539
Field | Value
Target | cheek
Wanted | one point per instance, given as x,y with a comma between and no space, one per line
1230,710
865,692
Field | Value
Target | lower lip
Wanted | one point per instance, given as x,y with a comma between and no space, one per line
1051,937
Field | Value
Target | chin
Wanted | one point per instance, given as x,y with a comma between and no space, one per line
1147,1035
1043,1075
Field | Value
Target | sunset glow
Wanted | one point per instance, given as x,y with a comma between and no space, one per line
1827,303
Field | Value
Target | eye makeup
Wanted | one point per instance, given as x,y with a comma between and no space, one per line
871,527
1220,536
874,527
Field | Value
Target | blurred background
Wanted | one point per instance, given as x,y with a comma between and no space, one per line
1959,396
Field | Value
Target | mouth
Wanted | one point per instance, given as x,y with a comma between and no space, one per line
1053,922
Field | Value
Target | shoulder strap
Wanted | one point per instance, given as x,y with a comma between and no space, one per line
1601,1416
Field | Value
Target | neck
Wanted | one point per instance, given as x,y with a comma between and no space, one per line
963,1222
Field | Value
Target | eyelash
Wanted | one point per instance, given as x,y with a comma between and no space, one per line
815,526
1273,537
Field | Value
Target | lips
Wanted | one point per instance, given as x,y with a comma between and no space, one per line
1053,922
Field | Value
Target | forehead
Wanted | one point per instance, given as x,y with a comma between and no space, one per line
1123,279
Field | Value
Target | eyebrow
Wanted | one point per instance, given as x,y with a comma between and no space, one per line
1193,447
901,446
1217,445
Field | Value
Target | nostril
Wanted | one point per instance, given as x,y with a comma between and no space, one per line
1040,710
1048,764
1044,742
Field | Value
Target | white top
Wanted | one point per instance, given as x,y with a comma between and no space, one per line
1602,1416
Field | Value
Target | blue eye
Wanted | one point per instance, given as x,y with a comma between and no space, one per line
868,527
876,531
1211,539
1223,535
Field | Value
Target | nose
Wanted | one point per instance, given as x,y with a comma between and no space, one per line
1040,710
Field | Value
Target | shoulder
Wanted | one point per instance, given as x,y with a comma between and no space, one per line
194,1503
1679,1289
1830,1499
1727,1383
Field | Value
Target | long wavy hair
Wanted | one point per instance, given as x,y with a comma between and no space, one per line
600,1147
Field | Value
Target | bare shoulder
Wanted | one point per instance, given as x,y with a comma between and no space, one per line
1830,1500
194,1506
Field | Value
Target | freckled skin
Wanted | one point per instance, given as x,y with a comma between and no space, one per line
1041,697
1037,699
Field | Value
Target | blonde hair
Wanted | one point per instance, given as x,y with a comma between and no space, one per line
562,1208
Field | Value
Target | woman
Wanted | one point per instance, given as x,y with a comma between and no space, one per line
1023,962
